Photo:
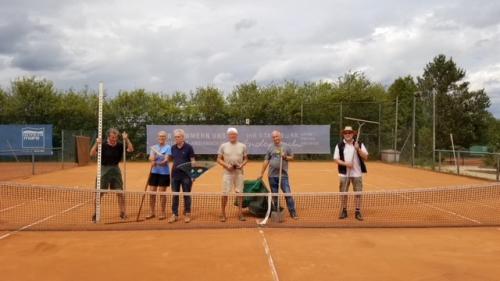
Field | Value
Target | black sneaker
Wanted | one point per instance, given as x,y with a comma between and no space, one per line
358,215
343,214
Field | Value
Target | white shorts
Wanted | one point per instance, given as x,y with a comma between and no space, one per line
230,181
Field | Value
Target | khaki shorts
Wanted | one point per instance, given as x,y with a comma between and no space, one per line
233,180
357,184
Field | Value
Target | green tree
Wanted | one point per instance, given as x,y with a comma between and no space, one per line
403,89
33,101
4,100
76,111
208,106
458,111
132,111
248,100
493,134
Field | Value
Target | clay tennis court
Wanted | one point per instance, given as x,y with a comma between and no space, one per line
464,253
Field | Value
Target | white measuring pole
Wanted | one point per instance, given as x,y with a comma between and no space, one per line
125,164
99,155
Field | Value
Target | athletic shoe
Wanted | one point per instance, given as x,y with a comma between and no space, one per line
151,216
358,215
242,218
343,214
222,218
123,215
187,218
173,219
294,216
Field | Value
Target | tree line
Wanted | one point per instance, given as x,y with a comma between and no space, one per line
459,110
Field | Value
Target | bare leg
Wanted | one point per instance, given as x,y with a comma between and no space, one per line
223,207
240,208
163,202
121,204
344,187
358,200
152,203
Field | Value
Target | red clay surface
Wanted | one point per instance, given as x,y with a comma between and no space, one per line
16,170
239,254
304,177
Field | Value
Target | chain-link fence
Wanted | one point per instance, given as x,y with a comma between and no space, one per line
21,163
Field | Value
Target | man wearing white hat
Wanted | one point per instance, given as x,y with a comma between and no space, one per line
232,156
350,156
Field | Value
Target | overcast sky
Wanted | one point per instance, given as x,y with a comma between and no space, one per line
180,45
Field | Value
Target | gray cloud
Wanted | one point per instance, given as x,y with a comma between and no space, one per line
245,24
181,45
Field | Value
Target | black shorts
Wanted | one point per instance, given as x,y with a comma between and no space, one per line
159,180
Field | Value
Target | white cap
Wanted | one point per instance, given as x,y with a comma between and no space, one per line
232,130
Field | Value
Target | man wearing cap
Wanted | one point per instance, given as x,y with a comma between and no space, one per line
350,156
232,156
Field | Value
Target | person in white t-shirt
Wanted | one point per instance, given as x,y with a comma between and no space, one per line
350,156
232,156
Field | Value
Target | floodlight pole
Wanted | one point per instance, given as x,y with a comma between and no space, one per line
413,130
433,128
340,121
396,126
379,129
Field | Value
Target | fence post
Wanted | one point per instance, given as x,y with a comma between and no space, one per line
439,161
62,149
498,168
33,162
379,129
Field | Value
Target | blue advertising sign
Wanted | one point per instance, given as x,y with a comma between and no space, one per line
26,139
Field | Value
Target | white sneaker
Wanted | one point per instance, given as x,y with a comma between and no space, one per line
173,219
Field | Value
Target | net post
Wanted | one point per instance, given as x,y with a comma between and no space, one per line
458,162
99,155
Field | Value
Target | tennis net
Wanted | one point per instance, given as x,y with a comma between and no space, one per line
35,207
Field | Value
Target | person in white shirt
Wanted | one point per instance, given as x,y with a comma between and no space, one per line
232,156
350,156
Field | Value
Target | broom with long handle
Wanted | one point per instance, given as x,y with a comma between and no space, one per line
145,188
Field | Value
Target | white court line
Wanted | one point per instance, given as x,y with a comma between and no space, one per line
19,205
446,211
268,254
440,209
39,221
12,207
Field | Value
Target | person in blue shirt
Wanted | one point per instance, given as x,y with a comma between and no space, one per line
159,179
